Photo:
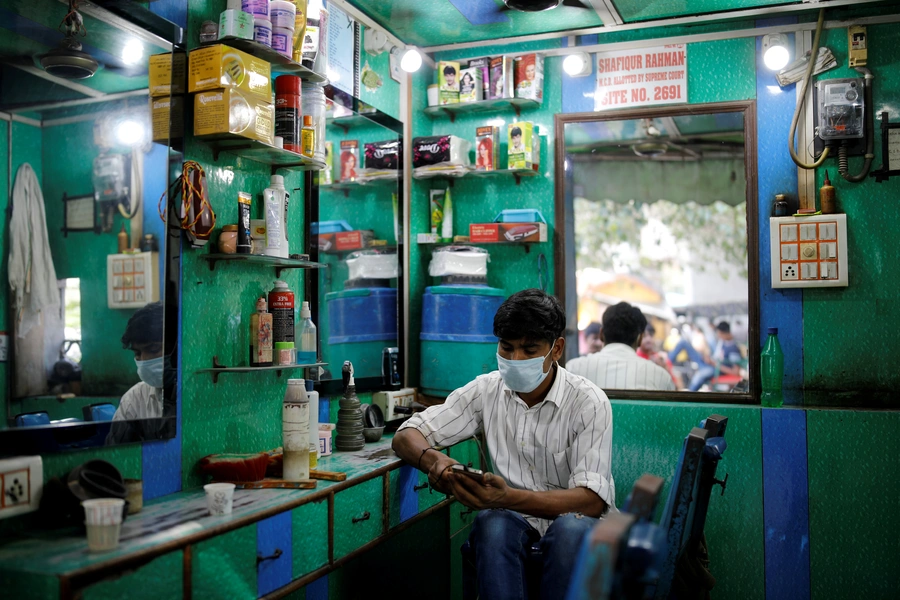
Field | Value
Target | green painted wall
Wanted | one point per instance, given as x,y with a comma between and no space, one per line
387,97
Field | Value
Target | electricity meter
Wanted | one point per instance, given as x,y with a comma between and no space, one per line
841,109
110,178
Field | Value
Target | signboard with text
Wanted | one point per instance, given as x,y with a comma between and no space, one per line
642,77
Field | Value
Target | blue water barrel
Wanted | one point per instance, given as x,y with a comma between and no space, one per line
457,336
362,322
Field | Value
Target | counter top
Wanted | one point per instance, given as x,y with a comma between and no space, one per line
181,519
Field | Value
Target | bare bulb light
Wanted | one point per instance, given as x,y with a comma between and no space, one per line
132,53
775,52
577,65
411,60
130,132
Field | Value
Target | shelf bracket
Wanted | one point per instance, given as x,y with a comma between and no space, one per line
216,365
452,115
212,267
518,178
518,110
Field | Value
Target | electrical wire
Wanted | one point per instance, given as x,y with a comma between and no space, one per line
813,54
543,278
189,194
843,167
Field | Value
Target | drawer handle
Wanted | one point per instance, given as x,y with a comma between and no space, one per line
365,517
273,556
467,512
416,488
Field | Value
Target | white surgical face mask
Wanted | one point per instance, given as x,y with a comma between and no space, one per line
523,375
150,371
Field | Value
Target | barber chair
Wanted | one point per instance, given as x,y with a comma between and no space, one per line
33,418
99,412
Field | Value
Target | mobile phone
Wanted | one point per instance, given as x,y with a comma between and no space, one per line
476,474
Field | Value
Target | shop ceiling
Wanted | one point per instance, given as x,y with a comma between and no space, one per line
439,24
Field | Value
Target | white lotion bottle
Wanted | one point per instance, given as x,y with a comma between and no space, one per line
295,431
275,203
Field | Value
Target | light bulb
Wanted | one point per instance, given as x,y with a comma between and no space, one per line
132,53
775,52
129,132
411,60
577,65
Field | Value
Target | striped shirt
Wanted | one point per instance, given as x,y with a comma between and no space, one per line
561,443
618,367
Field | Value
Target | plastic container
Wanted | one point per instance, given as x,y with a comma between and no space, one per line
362,322
373,264
257,8
520,215
457,321
458,260
285,353
295,431
282,13
772,371
281,40
262,31
318,227
313,98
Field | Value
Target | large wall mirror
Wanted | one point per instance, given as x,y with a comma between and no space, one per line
659,211
89,305
355,231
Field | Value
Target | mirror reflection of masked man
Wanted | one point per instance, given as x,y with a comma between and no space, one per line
144,401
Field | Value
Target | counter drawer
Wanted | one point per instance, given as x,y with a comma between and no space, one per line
427,496
358,516
461,516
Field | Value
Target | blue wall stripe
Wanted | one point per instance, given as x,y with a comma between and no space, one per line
409,500
318,589
785,503
777,175
272,534
480,12
578,92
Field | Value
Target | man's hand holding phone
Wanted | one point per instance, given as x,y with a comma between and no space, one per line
477,489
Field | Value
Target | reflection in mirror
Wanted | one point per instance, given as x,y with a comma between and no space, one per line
659,217
85,245
356,234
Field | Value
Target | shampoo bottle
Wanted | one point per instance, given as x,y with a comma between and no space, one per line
295,431
275,200
306,329
261,335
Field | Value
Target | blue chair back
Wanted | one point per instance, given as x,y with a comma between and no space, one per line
32,419
99,412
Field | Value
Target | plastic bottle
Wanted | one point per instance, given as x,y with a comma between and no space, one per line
826,197
299,30
281,305
122,239
313,396
308,348
275,202
261,335
295,431
772,369
308,137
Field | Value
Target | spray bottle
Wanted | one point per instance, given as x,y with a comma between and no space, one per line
306,329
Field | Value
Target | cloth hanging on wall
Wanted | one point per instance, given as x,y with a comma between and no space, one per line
32,277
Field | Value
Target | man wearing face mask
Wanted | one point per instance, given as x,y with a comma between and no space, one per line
549,435
143,336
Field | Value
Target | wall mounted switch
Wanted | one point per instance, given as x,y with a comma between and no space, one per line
809,251
21,483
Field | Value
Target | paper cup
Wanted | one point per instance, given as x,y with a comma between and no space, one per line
102,538
103,511
433,95
219,498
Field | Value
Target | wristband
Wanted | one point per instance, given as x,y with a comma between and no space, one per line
419,465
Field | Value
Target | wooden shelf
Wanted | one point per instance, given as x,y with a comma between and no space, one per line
278,158
451,110
517,174
280,63
280,264
218,369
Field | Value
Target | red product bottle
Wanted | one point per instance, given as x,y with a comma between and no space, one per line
288,111
281,306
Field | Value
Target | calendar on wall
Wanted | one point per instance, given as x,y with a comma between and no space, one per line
132,280
809,251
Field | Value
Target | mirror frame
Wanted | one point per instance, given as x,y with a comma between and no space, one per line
335,386
564,242
17,441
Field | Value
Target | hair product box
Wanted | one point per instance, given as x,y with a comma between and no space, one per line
167,118
521,153
448,98
470,86
384,155
349,160
481,233
448,76
501,77
230,111
487,148
326,176
166,74
483,64
529,76
220,66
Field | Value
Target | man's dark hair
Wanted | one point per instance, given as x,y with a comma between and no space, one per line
530,315
145,326
622,324
724,327
650,329
593,329
449,70
515,131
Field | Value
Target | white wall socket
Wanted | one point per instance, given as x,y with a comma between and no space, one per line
21,484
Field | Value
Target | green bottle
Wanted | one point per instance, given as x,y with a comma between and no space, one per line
772,370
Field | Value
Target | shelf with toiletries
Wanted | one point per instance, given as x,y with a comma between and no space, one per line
381,181
279,263
280,63
451,110
261,152
451,173
219,369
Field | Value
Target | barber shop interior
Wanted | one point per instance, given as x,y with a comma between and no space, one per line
450,299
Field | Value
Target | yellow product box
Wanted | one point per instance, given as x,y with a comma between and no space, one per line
167,74
167,118
219,66
230,111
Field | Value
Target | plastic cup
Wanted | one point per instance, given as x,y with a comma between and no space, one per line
433,95
103,520
219,498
